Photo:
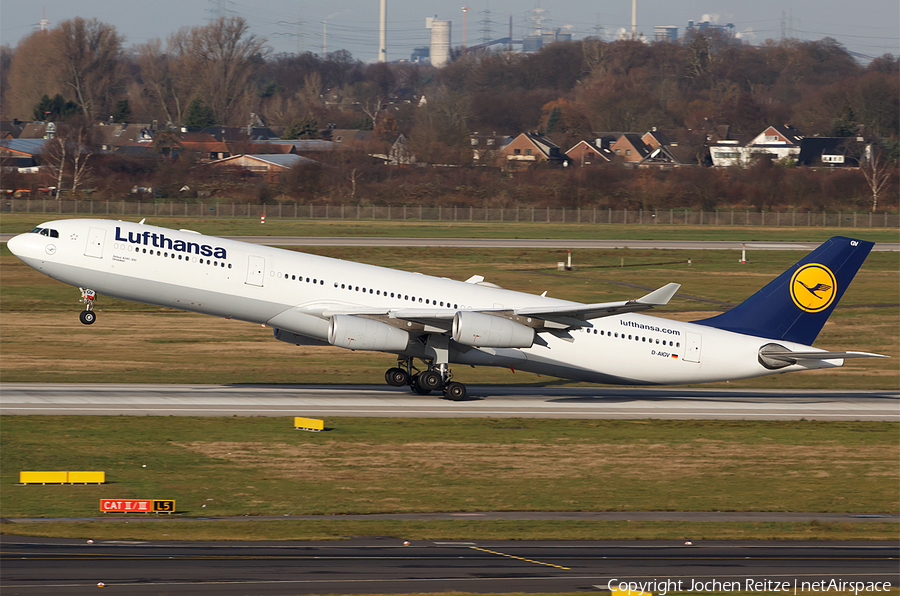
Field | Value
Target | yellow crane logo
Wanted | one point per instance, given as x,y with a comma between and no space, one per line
813,287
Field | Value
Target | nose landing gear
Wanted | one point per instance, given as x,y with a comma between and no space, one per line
87,316
424,382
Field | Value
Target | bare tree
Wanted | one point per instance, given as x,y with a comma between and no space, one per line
33,71
79,139
220,59
160,79
877,172
89,53
56,152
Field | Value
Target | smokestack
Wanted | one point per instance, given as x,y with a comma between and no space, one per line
633,19
382,37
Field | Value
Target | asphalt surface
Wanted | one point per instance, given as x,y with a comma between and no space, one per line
495,401
372,565
536,243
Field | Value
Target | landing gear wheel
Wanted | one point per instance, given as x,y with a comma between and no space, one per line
396,377
429,381
87,317
455,391
414,385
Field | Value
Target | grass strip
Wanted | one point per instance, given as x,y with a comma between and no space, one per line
261,466
19,222
459,530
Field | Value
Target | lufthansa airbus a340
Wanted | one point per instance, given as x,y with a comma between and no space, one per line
313,300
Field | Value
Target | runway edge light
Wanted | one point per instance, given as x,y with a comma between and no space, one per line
309,424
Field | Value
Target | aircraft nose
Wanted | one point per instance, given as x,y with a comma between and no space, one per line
16,244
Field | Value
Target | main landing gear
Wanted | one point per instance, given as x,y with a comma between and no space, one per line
424,382
87,316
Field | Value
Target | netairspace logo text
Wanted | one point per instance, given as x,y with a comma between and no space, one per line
661,587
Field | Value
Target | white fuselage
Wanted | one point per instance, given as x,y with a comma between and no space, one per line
283,288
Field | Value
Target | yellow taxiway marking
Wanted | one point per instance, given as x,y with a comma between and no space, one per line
484,550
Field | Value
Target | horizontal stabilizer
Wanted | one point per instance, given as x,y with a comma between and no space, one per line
794,356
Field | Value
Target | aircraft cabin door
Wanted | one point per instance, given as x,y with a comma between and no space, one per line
94,247
256,271
692,348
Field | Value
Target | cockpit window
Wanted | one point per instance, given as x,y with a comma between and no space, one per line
45,232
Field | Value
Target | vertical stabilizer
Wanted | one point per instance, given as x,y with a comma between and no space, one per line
796,304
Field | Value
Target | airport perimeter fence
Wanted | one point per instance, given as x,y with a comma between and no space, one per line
280,211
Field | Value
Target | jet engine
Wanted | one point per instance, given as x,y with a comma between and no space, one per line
487,331
357,333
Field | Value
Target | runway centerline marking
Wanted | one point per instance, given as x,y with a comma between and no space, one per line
515,557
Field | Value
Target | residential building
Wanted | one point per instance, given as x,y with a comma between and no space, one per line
266,165
485,147
778,142
527,149
671,155
590,153
630,148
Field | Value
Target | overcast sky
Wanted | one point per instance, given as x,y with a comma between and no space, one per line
870,28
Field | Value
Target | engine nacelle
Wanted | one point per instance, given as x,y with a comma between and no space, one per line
487,331
357,333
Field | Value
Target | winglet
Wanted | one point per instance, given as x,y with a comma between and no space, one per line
660,296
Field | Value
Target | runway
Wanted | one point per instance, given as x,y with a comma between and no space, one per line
484,401
32,566
554,243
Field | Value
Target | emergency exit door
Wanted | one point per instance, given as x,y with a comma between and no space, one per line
256,271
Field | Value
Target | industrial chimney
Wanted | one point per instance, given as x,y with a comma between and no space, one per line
382,37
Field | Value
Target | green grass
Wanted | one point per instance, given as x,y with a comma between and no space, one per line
262,466
16,223
307,530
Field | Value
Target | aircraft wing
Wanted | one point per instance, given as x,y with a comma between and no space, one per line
555,317
574,315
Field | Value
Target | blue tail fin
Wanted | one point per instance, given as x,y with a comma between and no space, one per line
796,304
